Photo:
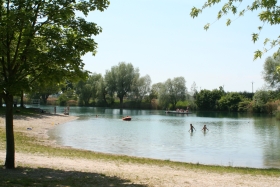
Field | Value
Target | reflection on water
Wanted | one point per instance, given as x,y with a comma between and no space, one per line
232,140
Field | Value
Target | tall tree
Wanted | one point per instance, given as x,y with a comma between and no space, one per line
141,88
268,14
120,79
155,90
173,91
41,38
87,90
193,89
102,92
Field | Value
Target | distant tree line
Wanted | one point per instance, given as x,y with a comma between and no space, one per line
123,87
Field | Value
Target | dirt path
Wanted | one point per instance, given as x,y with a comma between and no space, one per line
146,174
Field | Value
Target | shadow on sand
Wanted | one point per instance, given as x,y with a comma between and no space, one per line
25,176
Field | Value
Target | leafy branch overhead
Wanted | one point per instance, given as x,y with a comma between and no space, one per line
269,13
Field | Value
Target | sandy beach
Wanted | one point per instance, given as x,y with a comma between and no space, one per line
136,173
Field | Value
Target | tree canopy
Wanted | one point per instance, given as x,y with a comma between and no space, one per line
172,91
208,100
120,79
141,88
268,13
88,89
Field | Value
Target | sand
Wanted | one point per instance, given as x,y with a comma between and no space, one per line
136,173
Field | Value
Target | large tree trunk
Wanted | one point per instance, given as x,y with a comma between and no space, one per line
104,98
121,101
10,142
45,98
1,101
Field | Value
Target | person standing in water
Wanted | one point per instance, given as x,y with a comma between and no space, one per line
191,128
205,128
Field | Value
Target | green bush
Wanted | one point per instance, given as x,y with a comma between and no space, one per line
62,99
277,115
182,104
244,106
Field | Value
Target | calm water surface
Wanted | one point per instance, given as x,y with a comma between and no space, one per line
232,139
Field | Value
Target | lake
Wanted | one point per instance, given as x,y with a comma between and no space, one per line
232,140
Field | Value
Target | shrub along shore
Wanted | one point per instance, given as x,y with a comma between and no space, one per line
41,162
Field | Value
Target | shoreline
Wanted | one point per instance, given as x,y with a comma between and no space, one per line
38,127
137,173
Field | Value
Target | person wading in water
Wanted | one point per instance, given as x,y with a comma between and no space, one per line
191,128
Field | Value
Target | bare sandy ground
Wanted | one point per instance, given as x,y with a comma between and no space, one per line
137,173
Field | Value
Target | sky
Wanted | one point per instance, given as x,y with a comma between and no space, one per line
160,38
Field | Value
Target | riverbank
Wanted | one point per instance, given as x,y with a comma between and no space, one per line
118,172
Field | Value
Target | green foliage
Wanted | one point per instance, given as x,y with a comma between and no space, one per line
88,90
244,105
42,41
271,73
192,105
277,115
248,95
66,96
120,79
182,104
62,99
155,91
271,107
172,91
268,13
140,88
261,97
264,101
230,102
204,101
208,100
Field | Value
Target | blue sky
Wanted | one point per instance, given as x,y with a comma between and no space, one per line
161,39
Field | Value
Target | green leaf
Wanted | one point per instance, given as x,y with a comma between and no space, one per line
228,22
195,11
276,54
206,27
233,9
273,43
278,69
265,41
269,12
219,15
255,37
258,54
242,13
